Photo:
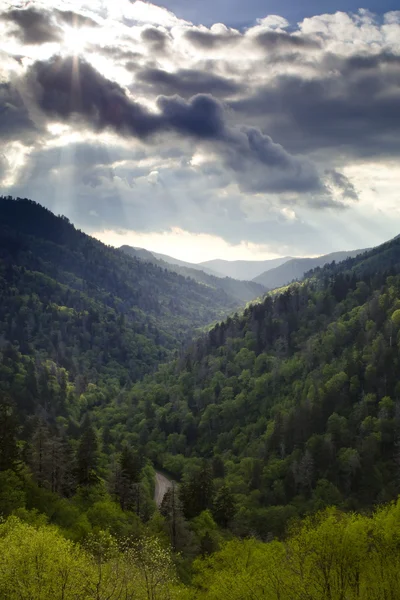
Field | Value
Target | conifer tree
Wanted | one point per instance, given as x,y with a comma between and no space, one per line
224,506
8,434
87,455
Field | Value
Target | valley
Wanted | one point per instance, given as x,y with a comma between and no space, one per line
199,300
111,364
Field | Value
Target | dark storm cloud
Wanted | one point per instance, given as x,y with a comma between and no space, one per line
265,166
15,122
155,38
187,82
116,53
207,40
352,102
280,40
70,87
33,26
73,19
340,181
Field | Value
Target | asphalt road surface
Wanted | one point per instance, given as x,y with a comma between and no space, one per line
162,486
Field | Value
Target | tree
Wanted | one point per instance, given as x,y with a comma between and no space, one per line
196,492
8,434
87,456
178,529
224,507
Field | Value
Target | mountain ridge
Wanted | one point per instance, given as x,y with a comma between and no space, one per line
243,269
241,291
46,260
295,268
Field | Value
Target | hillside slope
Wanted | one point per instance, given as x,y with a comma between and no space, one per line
239,291
88,307
295,268
182,263
295,404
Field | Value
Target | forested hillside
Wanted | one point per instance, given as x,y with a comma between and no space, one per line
293,406
87,307
239,291
265,423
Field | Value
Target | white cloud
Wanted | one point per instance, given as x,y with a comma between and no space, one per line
187,246
273,22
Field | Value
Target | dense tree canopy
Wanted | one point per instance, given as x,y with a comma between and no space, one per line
273,415
297,399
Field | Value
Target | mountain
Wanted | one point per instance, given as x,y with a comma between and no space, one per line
295,268
239,291
156,256
181,263
139,253
293,406
89,308
242,269
289,410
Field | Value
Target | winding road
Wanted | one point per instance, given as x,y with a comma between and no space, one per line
162,485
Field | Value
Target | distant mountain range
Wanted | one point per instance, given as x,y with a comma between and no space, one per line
198,267
244,280
242,269
240,291
295,268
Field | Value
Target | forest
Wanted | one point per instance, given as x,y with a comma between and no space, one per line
279,426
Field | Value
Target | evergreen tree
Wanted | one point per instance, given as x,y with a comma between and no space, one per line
40,455
171,509
127,480
224,508
87,456
8,434
197,492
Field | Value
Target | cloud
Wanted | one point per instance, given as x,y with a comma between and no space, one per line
15,122
350,102
71,87
154,123
155,38
32,26
75,20
343,184
187,82
210,40
280,40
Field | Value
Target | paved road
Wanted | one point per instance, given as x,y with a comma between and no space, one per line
162,486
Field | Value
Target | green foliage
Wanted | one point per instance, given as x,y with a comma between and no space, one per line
12,495
37,563
81,318
291,407
295,402
329,557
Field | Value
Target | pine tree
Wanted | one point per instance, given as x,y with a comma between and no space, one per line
87,456
181,537
8,435
40,455
197,492
224,506
127,479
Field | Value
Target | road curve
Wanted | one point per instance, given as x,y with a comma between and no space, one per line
162,485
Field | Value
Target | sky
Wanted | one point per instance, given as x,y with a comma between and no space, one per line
220,129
